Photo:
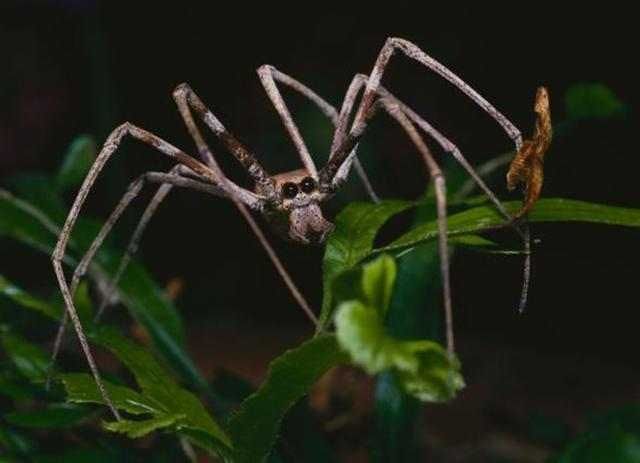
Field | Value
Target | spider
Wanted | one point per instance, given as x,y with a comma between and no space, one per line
290,201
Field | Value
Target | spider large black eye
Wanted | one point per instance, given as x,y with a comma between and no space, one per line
289,190
307,185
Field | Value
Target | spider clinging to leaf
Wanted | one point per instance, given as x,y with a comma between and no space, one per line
292,201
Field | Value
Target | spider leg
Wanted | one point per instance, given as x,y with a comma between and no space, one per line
373,84
265,73
339,158
173,179
396,112
186,99
269,75
436,175
135,239
414,52
111,145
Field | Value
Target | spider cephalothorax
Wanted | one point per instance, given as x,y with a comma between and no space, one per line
295,214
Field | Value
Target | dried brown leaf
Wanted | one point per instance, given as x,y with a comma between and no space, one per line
527,167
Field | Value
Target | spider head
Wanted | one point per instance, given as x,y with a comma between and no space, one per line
296,214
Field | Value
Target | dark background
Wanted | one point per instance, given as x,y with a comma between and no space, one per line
72,67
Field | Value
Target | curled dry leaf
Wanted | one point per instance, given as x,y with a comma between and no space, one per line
527,166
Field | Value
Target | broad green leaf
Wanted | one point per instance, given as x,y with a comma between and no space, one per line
423,367
254,427
592,100
350,242
31,361
165,403
81,388
485,217
76,162
54,416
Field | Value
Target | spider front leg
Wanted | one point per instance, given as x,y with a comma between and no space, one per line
339,158
111,145
268,76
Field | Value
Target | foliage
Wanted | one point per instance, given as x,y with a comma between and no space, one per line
423,367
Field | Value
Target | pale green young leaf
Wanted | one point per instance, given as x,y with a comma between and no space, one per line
378,278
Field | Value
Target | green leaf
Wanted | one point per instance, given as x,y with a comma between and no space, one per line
39,190
28,358
437,377
140,428
396,414
350,242
54,416
254,427
25,223
423,367
378,278
485,217
361,333
592,100
167,404
24,299
76,163
81,388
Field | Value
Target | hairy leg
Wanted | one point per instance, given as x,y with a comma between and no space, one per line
269,75
111,145
341,152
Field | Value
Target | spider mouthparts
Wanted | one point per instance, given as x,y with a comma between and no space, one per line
307,224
